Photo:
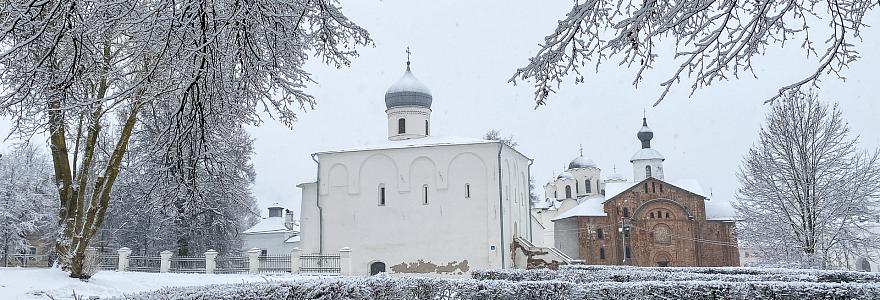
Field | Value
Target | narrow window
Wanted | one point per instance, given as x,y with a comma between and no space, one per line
426,128
382,194
467,190
555,195
626,212
587,187
627,253
652,215
599,234
648,171
667,215
646,187
425,194
577,187
661,187
602,253
567,192
653,187
401,126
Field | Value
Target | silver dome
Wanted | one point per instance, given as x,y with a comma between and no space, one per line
565,175
408,91
580,162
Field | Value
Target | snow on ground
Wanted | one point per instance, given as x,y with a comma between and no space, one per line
21,283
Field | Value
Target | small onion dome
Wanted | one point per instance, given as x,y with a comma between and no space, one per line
565,175
645,134
581,162
647,153
615,177
408,91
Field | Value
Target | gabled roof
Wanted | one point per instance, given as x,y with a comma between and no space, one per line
691,186
271,225
589,207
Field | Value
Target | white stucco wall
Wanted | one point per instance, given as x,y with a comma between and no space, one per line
406,234
639,173
415,118
273,243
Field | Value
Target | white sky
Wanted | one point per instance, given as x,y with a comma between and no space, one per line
465,51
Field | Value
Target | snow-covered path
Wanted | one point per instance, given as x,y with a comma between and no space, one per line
19,283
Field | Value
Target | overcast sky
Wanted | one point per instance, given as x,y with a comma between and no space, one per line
465,51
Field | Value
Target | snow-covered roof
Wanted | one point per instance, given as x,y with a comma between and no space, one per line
691,185
615,188
271,225
589,207
413,143
646,153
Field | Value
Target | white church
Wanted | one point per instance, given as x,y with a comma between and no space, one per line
419,203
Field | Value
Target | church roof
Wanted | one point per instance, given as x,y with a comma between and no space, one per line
428,141
408,91
590,207
646,153
271,225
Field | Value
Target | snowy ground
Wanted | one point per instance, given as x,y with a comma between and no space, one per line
19,283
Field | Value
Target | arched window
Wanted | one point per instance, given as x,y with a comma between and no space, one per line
381,194
425,194
667,215
646,187
662,235
599,234
648,171
626,212
652,215
467,190
602,253
555,195
653,187
567,192
401,126
426,128
577,187
661,187
587,187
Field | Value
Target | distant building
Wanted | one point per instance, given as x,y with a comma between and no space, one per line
418,203
648,222
276,235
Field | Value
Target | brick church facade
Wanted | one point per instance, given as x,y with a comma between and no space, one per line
652,223
649,221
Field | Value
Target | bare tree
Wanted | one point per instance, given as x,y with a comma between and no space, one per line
717,39
85,70
807,192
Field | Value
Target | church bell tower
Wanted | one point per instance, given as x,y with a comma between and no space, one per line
408,104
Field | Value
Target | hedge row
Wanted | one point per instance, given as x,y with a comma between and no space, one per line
587,274
394,288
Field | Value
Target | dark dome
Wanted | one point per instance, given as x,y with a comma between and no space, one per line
408,91
645,134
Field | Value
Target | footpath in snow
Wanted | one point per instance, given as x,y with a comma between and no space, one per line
21,283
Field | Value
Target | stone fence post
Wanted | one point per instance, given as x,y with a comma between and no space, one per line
124,253
254,260
295,260
345,261
165,263
210,261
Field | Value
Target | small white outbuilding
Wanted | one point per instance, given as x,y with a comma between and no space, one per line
276,235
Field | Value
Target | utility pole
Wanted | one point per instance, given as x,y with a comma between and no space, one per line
624,233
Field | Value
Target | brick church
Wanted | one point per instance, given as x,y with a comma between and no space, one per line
646,222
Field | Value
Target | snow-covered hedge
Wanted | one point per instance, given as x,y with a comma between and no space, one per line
393,288
587,274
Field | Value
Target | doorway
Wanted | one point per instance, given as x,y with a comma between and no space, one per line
377,267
